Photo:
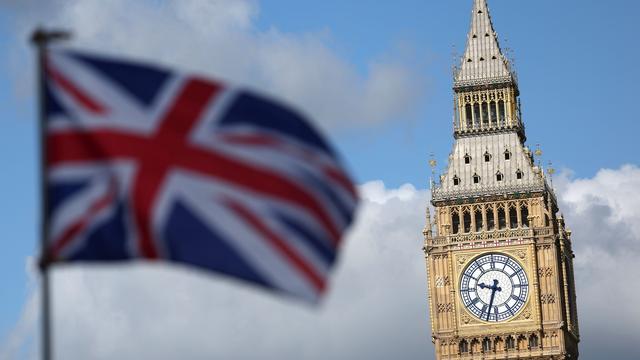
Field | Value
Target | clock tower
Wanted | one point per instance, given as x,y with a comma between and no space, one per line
498,254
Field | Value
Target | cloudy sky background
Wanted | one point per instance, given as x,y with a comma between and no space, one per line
376,78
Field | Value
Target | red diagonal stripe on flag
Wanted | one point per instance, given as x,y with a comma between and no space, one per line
74,91
278,244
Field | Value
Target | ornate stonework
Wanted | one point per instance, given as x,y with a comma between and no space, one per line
499,258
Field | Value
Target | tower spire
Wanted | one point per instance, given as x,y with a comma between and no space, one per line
483,62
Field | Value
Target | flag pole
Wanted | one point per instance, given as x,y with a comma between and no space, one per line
41,38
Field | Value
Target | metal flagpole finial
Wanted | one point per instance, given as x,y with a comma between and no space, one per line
40,36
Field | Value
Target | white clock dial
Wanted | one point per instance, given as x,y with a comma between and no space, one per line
494,287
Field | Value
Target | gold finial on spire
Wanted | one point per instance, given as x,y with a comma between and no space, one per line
538,152
550,169
432,163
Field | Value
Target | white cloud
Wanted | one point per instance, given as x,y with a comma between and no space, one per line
603,213
220,38
376,307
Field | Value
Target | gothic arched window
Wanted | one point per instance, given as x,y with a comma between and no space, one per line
522,342
456,180
464,347
486,345
513,218
466,218
485,114
476,178
533,341
501,112
494,113
502,219
499,176
491,224
476,114
510,343
469,115
455,222
478,218
467,159
487,156
524,215
507,154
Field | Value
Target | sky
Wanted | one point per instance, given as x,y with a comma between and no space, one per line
376,78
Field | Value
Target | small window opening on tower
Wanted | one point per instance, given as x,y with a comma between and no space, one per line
519,174
513,218
485,114
467,159
469,60
474,36
491,224
476,178
479,11
499,176
476,113
522,342
486,35
466,218
502,220
507,155
533,341
469,115
478,218
455,222
510,343
487,157
501,112
456,180
481,59
494,113
486,345
524,215
464,347
493,57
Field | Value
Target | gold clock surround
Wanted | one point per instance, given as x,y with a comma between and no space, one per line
519,255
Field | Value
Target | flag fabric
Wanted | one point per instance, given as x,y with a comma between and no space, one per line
148,163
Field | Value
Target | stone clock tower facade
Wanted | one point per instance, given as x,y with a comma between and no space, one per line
498,254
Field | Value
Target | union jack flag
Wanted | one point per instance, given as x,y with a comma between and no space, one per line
147,163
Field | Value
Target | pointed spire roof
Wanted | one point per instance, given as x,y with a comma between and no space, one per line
483,61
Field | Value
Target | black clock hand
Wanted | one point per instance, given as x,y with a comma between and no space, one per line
495,285
494,288
493,294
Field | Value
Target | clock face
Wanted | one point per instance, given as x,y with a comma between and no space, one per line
494,287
